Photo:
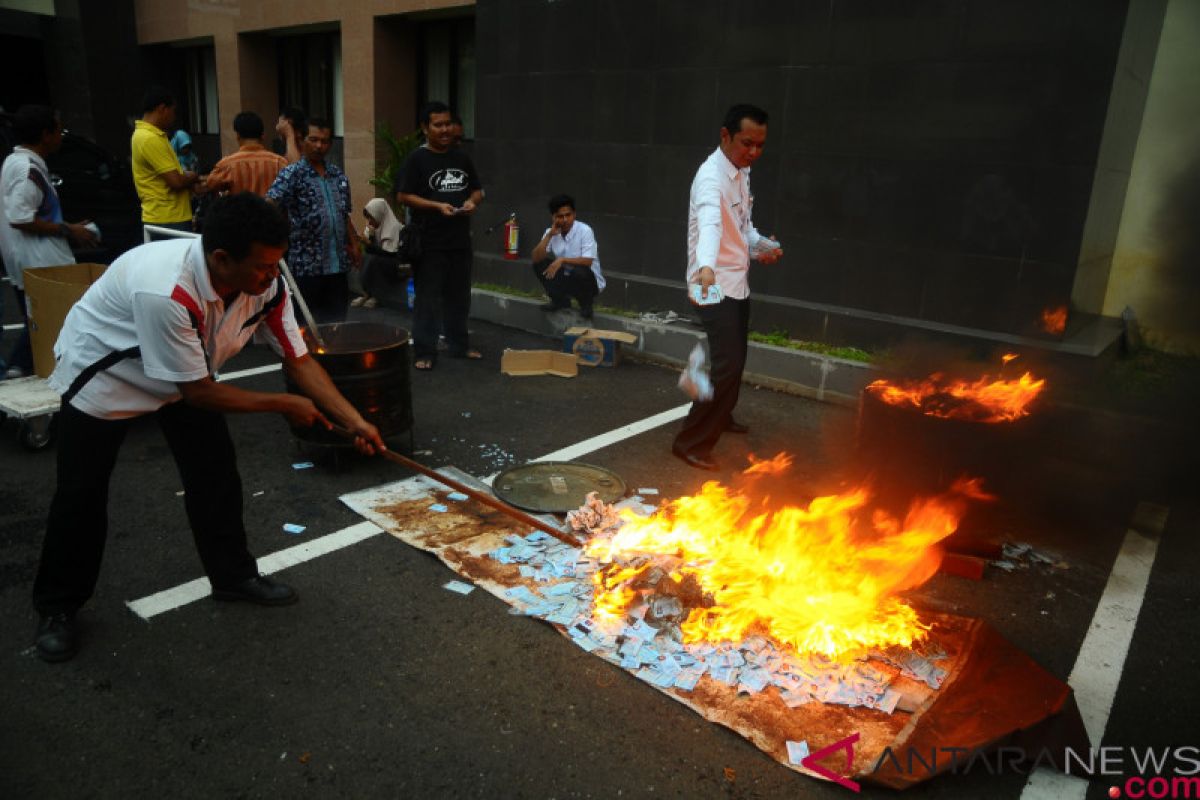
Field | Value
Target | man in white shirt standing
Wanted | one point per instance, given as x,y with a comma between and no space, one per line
567,261
721,241
146,339
32,231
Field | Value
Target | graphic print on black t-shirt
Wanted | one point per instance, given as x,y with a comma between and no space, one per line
447,177
447,181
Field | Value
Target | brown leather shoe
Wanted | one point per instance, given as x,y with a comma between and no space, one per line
694,460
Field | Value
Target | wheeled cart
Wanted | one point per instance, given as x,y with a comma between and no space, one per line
33,404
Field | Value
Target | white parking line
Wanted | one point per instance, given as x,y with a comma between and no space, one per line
611,437
169,599
1101,659
195,590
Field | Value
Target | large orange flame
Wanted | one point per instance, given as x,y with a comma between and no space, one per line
988,399
821,578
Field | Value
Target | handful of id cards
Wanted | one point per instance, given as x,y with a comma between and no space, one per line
694,380
715,295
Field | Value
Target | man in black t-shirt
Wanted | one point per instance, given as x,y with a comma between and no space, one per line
442,188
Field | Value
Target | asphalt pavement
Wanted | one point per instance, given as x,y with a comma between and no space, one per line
380,683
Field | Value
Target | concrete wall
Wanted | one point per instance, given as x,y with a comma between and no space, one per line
927,160
1156,261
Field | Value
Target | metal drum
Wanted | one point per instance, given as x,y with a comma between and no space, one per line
369,364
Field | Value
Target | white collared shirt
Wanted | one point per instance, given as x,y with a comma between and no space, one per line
580,242
148,299
26,194
721,233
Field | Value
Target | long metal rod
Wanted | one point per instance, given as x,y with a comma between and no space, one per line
486,499
308,317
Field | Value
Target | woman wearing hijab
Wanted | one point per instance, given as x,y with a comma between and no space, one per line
381,237
182,144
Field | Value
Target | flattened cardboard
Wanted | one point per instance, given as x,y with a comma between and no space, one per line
538,362
49,294
596,347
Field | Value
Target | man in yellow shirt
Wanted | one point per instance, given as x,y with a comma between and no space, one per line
163,186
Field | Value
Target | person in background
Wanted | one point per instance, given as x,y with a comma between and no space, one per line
721,242
253,168
145,340
380,239
290,126
567,261
323,244
32,231
164,187
442,188
181,143
456,129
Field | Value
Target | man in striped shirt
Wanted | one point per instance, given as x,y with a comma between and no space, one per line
253,167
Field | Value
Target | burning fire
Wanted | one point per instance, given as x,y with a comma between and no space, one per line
988,399
822,578
1054,320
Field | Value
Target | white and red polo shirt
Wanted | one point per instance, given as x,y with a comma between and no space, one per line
153,321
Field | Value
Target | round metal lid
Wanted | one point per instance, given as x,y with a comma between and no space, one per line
556,485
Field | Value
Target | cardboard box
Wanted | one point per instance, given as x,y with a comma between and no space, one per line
595,347
49,294
538,362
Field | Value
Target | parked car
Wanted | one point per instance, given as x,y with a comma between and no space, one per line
92,184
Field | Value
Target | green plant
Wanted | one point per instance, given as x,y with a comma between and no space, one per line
780,338
396,150
509,290
618,312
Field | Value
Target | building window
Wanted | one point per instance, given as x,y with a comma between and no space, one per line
447,67
310,75
200,71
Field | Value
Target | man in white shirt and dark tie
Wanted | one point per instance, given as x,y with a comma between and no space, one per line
721,242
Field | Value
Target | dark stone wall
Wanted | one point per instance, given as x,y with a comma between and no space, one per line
94,69
930,159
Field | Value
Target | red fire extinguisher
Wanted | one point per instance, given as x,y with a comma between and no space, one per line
512,232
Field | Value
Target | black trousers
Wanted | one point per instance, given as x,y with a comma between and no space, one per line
328,297
78,525
727,325
578,282
442,283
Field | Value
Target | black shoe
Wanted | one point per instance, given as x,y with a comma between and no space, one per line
57,637
552,306
586,313
260,590
736,427
694,460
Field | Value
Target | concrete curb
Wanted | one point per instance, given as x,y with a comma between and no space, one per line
821,377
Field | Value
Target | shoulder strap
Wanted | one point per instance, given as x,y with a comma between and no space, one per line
104,363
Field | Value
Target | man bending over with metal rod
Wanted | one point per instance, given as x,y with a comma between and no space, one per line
147,338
